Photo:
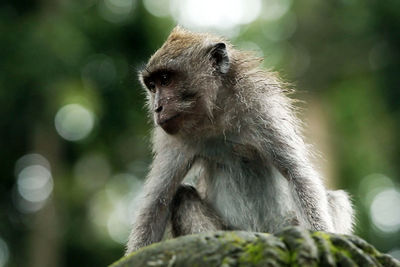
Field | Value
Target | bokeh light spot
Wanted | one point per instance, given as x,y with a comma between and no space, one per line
277,32
111,209
275,9
74,122
222,14
30,159
35,183
371,185
385,210
158,8
116,11
118,223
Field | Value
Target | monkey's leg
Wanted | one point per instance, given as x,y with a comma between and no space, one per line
191,214
341,211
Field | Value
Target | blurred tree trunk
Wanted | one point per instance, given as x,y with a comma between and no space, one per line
44,240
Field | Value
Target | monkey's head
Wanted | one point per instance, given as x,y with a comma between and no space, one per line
184,79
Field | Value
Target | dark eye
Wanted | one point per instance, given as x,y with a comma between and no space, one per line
151,86
165,79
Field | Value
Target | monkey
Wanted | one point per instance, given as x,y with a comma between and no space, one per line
215,109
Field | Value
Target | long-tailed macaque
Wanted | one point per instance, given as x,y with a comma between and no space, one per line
214,107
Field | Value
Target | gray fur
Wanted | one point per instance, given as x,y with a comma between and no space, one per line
256,172
341,211
191,214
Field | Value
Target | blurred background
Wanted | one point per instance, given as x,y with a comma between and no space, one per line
74,137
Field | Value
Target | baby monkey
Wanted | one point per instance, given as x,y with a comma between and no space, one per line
214,108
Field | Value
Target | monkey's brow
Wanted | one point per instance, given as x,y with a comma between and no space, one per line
147,72
152,68
143,70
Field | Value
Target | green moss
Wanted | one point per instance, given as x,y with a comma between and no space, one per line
294,247
323,235
233,238
336,251
284,255
345,252
253,253
293,257
327,237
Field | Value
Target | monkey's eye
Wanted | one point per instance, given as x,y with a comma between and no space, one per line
151,86
165,79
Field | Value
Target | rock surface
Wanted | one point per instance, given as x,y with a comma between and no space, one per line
291,247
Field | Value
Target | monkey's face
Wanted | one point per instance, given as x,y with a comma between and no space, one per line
169,106
183,79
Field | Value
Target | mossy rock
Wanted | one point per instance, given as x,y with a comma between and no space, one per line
291,247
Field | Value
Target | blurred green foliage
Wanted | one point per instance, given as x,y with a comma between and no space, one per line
343,56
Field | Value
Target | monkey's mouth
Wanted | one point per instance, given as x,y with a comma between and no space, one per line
171,124
168,120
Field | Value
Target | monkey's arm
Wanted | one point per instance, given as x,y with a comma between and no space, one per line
290,155
310,196
167,172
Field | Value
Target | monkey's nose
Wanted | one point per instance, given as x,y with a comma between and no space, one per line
158,109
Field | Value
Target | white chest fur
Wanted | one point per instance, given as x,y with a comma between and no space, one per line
256,198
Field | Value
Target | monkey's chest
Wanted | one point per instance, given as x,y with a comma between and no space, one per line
249,196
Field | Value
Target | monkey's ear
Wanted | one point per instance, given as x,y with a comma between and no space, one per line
220,58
